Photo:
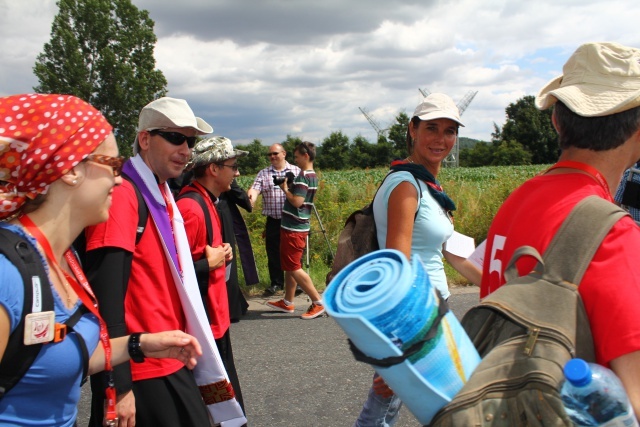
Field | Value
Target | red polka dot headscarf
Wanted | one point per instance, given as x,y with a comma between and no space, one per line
42,137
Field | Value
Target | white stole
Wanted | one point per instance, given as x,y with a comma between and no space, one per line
209,373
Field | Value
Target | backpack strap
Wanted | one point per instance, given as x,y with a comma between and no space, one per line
194,195
18,357
570,252
143,210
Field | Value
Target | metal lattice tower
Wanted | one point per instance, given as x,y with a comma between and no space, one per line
373,123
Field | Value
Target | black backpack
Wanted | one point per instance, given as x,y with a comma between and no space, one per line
19,357
359,235
529,328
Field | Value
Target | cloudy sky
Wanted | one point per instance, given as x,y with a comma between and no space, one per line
267,68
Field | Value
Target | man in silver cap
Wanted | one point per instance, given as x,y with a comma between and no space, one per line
597,116
132,273
215,166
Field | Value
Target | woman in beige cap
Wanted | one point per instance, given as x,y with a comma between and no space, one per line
413,215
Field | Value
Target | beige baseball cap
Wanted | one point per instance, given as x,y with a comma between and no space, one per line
216,149
438,106
599,79
169,112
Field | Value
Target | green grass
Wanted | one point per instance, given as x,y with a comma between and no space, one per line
478,193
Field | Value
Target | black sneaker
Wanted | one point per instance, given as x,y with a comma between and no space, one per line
272,290
298,290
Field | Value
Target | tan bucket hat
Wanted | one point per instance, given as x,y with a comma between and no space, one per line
599,79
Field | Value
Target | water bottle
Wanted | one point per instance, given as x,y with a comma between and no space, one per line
594,396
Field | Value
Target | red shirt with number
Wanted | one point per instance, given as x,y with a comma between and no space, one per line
610,288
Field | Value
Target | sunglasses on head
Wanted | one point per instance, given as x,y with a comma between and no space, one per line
115,162
175,138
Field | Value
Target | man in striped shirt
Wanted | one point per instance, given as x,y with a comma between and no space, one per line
272,201
295,226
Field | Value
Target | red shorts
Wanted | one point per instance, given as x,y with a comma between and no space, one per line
292,246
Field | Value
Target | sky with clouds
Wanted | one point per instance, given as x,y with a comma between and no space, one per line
267,68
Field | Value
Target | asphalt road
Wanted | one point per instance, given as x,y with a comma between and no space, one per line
300,373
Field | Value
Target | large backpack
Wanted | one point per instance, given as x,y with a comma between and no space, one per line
359,236
529,328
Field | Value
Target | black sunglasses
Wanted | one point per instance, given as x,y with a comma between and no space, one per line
175,138
274,153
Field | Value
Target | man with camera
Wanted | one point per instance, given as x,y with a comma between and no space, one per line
295,226
272,202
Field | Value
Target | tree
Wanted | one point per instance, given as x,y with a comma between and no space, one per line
362,153
335,152
532,128
102,51
255,160
290,144
510,153
398,135
480,155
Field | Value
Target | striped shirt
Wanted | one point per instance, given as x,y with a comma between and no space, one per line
272,196
299,219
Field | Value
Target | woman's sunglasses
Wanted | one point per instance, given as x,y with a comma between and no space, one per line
115,162
175,138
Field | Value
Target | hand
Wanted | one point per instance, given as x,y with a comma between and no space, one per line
171,344
215,256
252,197
126,409
228,252
381,388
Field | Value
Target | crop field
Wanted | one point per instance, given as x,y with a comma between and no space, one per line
478,193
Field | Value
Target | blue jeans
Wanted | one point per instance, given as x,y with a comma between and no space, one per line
379,411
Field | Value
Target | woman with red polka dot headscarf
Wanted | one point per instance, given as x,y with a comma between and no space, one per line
58,166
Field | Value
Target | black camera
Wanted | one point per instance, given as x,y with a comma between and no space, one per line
289,177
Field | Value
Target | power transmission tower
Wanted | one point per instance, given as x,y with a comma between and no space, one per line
373,123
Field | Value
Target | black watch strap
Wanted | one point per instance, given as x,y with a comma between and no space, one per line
135,352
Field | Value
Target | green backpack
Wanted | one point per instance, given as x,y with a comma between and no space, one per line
529,328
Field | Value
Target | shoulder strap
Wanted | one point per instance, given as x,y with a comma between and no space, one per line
143,211
379,186
194,195
571,250
18,357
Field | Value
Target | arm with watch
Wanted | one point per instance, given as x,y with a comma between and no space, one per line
173,344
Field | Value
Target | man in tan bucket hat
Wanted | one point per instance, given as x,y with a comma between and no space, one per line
597,116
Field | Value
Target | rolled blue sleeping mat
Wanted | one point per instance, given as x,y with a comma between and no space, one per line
385,303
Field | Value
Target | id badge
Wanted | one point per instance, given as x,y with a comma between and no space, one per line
39,327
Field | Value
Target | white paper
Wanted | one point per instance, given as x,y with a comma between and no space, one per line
477,257
460,245
227,272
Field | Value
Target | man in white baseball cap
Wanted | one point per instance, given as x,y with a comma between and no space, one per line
596,112
138,268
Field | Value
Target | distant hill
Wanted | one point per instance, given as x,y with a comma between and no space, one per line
467,142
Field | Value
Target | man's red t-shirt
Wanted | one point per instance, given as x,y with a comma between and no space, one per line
610,288
194,224
152,303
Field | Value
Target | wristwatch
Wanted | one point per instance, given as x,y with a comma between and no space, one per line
135,352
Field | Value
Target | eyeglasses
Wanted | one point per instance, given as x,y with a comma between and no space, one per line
233,166
115,162
175,138
274,153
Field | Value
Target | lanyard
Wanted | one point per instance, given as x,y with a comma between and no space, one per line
588,169
83,290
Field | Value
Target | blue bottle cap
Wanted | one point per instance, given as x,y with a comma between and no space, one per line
577,372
